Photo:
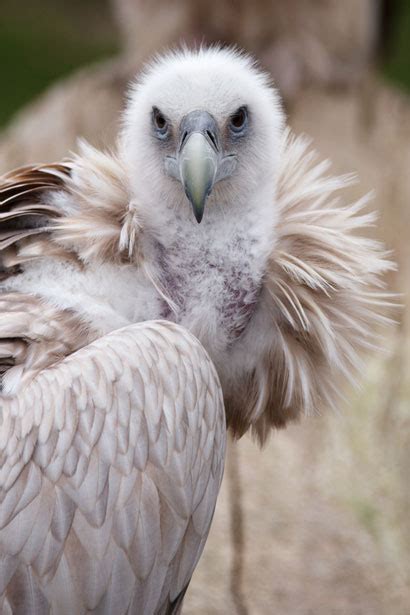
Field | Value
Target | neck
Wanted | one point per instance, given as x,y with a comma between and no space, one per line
213,271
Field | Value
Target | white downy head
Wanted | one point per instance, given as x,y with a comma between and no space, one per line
203,127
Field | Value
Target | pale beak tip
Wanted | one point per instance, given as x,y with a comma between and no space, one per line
197,204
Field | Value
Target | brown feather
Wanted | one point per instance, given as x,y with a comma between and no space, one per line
99,223
324,291
104,225
24,214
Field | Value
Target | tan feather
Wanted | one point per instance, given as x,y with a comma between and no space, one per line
35,335
103,225
100,223
325,292
24,214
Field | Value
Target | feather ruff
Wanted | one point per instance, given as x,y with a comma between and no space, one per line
103,225
88,217
323,287
325,293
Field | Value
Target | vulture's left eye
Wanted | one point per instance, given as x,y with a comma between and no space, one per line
239,121
160,123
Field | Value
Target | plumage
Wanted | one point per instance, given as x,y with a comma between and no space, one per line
277,282
93,510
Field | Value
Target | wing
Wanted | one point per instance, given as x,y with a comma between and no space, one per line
25,214
34,335
322,303
78,209
111,462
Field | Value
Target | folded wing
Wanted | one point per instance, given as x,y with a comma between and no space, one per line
111,461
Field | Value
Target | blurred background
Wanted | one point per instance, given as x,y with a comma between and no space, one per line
318,522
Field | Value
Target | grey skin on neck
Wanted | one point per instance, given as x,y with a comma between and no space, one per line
212,283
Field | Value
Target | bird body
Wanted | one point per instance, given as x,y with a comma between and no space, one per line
209,214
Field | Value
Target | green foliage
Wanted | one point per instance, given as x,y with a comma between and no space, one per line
397,65
41,43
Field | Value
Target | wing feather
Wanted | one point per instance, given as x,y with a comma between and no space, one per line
33,335
23,212
76,209
98,505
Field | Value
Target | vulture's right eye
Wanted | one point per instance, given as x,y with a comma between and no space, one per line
160,123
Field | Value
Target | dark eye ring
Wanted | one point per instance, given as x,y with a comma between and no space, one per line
160,122
239,120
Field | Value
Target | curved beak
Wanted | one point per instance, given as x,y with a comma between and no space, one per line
198,165
199,162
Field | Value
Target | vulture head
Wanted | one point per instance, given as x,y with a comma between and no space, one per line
203,129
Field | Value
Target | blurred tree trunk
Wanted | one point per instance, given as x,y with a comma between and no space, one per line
278,526
300,41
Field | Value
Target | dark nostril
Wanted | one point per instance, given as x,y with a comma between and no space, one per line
184,136
211,137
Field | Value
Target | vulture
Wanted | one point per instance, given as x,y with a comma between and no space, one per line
205,275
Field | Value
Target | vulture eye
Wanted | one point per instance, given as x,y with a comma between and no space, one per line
160,123
239,121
